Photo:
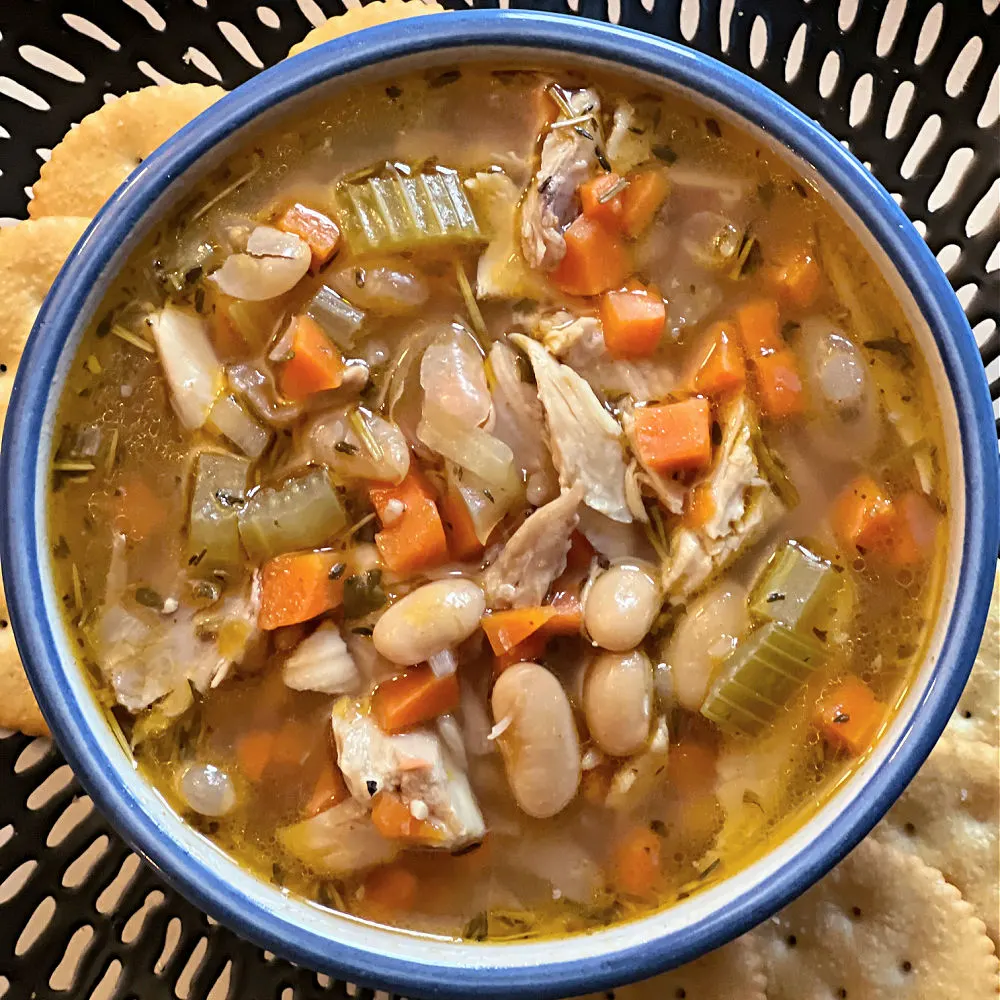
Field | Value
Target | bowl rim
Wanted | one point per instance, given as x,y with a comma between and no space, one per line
22,458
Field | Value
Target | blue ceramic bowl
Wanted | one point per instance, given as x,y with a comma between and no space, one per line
419,965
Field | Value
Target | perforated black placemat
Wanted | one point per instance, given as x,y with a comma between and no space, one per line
912,86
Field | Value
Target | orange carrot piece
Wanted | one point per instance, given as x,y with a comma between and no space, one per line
591,192
797,280
757,321
596,259
394,820
318,230
225,334
296,586
633,321
254,751
579,557
391,888
864,518
779,385
412,538
642,199
595,784
674,436
329,790
413,697
529,649
313,365
139,510
635,862
722,369
507,629
463,543
915,530
567,615
850,716
700,507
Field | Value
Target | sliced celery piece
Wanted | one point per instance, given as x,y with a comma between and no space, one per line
793,586
339,319
395,211
760,676
304,513
219,493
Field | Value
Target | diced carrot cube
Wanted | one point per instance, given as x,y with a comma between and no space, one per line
863,516
633,320
393,819
318,230
641,200
412,536
415,696
674,437
850,716
463,543
915,530
797,280
391,888
313,365
722,369
296,586
596,259
757,321
779,385
609,211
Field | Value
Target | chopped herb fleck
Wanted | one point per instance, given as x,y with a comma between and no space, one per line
148,598
713,127
346,448
665,154
337,570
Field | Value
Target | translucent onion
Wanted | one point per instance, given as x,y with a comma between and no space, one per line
443,663
452,374
305,513
467,446
230,420
333,440
275,262
383,289
193,372
487,506
207,790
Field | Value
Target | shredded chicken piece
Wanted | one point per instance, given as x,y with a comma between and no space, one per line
585,439
631,140
744,507
414,765
519,417
502,271
535,554
579,341
637,779
568,158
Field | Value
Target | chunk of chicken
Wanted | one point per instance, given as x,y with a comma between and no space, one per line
585,438
502,271
414,765
743,503
519,416
569,156
579,341
535,555
630,143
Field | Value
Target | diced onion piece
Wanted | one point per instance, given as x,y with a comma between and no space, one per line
764,671
321,662
193,372
334,441
303,514
338,318
453,375
220,483
382,289
468,446
230,420
275,262
443,663
487,506
207,790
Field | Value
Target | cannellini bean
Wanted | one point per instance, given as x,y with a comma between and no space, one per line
432,618
702,639
618,701
539,744
620,606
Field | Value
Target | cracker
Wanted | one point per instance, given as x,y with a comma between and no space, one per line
880,926
369,16
734,972
98,154
18,709
948,817
31,254
977,715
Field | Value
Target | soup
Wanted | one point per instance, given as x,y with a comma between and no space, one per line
499,504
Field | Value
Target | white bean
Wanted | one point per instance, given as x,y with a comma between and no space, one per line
702,639
618,702
428,620
620,607
540,747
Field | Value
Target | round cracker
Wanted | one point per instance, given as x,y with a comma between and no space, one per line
94,158
369,16
881,926
734,972
31,254
977,715
18,708
948,818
